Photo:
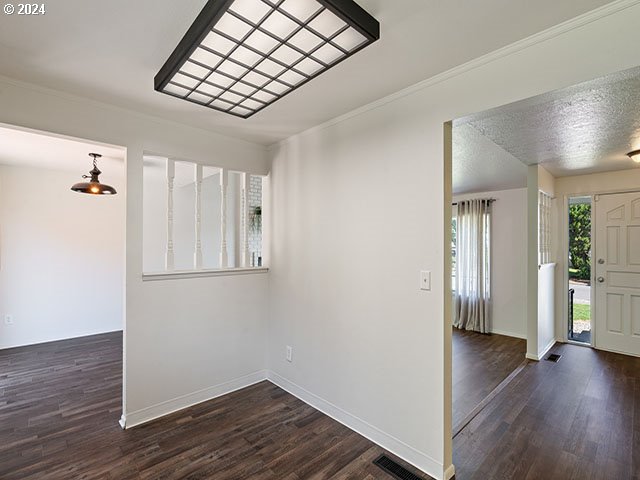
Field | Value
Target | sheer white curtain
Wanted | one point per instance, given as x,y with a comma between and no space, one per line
473,266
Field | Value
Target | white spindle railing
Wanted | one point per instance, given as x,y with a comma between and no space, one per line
244,219
197,255
241,217
171,174
224,256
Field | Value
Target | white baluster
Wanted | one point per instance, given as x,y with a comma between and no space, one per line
224,257
244,218
171,173
197,255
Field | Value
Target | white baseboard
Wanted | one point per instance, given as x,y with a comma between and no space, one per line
542,353
450,472
510,334
377,436
41,341
147,414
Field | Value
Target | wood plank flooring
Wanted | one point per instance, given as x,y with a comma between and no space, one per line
59,411
480,363
60,402
576,419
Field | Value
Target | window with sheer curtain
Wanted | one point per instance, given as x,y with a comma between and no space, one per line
472,292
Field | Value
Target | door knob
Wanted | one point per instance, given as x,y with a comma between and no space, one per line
600,279
601,261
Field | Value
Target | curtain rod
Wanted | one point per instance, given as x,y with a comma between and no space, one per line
490,200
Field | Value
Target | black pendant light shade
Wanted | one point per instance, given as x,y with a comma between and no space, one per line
93,186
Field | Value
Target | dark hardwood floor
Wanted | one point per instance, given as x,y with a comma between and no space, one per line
60,403
480,364
576,419
59,411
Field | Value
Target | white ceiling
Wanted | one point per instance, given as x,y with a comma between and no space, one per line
32,149
587,128
110,51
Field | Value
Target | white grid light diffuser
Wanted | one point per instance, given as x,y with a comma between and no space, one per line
241,55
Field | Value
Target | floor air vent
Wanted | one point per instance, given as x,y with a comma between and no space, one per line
554,357
395,469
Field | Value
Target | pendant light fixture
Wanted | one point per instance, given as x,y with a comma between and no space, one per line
239,56
93,186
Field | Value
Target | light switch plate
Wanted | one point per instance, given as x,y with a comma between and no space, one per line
289,353
425,280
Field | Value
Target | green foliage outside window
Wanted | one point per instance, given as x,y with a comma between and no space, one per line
580,241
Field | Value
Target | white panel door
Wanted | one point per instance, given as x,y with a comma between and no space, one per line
617,272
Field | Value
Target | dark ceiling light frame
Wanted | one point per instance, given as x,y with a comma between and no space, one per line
348,11
93,186
635,156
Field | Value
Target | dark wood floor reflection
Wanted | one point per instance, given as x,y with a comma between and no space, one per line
480,364
575,419
59,411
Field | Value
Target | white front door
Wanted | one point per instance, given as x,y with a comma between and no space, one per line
616,267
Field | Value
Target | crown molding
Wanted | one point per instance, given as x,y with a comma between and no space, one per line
540,37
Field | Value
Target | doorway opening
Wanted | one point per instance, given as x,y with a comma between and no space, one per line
581,199
579,270
61,282
488,269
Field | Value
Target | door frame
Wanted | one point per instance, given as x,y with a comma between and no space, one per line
565,258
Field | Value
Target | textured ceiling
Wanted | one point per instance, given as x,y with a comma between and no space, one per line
111,50
479,165
587,128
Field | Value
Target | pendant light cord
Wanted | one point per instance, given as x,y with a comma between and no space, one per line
95,170
95,159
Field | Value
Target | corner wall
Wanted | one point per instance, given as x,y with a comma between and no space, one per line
546,336
358,210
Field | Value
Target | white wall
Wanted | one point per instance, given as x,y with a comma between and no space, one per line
546,276
508,260
368,344
571,186
533,193
540,278
546,182
203,337
61,257
546,309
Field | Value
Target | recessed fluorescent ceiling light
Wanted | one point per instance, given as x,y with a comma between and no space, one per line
241,55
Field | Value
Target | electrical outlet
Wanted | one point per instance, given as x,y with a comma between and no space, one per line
8,319
289,353
425,280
